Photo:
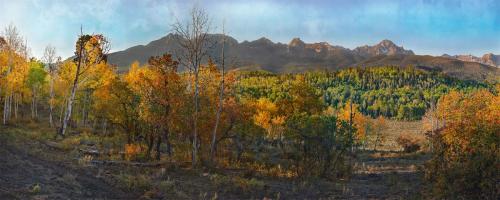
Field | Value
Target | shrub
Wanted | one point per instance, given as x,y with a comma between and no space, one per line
36,188
410,144
139,182
465,164
319,146
131,151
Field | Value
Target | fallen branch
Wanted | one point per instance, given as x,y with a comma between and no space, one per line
92,152
54,145
137,164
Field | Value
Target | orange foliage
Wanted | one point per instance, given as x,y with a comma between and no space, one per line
131,151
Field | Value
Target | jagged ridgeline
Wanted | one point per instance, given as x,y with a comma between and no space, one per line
298,56
394,92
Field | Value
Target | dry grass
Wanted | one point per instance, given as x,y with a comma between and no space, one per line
413,129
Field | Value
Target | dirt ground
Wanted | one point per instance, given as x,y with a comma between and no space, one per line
27,176
31,170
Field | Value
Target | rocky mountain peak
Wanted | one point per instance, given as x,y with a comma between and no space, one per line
387,43
487,59
491,59
384,47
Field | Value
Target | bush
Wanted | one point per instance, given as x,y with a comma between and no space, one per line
410,144
465,164
132,151
36,188
319,146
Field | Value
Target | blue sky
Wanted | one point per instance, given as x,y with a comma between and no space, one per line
425,26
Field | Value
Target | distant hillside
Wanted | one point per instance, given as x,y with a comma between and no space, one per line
452,67
298,56
487,59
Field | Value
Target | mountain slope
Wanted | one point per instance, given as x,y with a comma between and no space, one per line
487,59
298,56
452,67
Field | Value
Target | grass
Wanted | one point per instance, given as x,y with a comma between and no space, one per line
139,182
236,183
395,129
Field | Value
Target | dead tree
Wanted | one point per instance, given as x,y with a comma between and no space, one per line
49,56
221,98
90,50
194,43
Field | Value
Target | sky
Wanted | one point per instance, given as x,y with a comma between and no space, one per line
430,27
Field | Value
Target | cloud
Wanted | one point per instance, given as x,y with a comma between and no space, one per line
426,26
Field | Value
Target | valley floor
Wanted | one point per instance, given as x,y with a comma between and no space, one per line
31,169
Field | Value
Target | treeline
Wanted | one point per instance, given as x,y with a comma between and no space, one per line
392,92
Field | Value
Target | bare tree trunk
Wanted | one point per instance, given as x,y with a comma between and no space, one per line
5,109
33,103
51,102
49,57
221,101
9,114
16,105
158,144
167,141
84,106
104,126
195,121
194,43
36,108
150,141
62,112
377,140
67,115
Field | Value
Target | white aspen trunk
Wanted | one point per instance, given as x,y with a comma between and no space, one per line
195,121
16,105
5,109
51,102
9,107
104,126
62,111
33,104
36,108
221,103
67,115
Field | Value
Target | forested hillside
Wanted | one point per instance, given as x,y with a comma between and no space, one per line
392,92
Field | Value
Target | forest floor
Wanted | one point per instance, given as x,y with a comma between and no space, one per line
31,168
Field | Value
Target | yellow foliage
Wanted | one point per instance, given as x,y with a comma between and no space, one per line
360,122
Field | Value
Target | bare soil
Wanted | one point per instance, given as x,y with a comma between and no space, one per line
31,170
24,175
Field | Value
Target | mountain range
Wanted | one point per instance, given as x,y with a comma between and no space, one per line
298,56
